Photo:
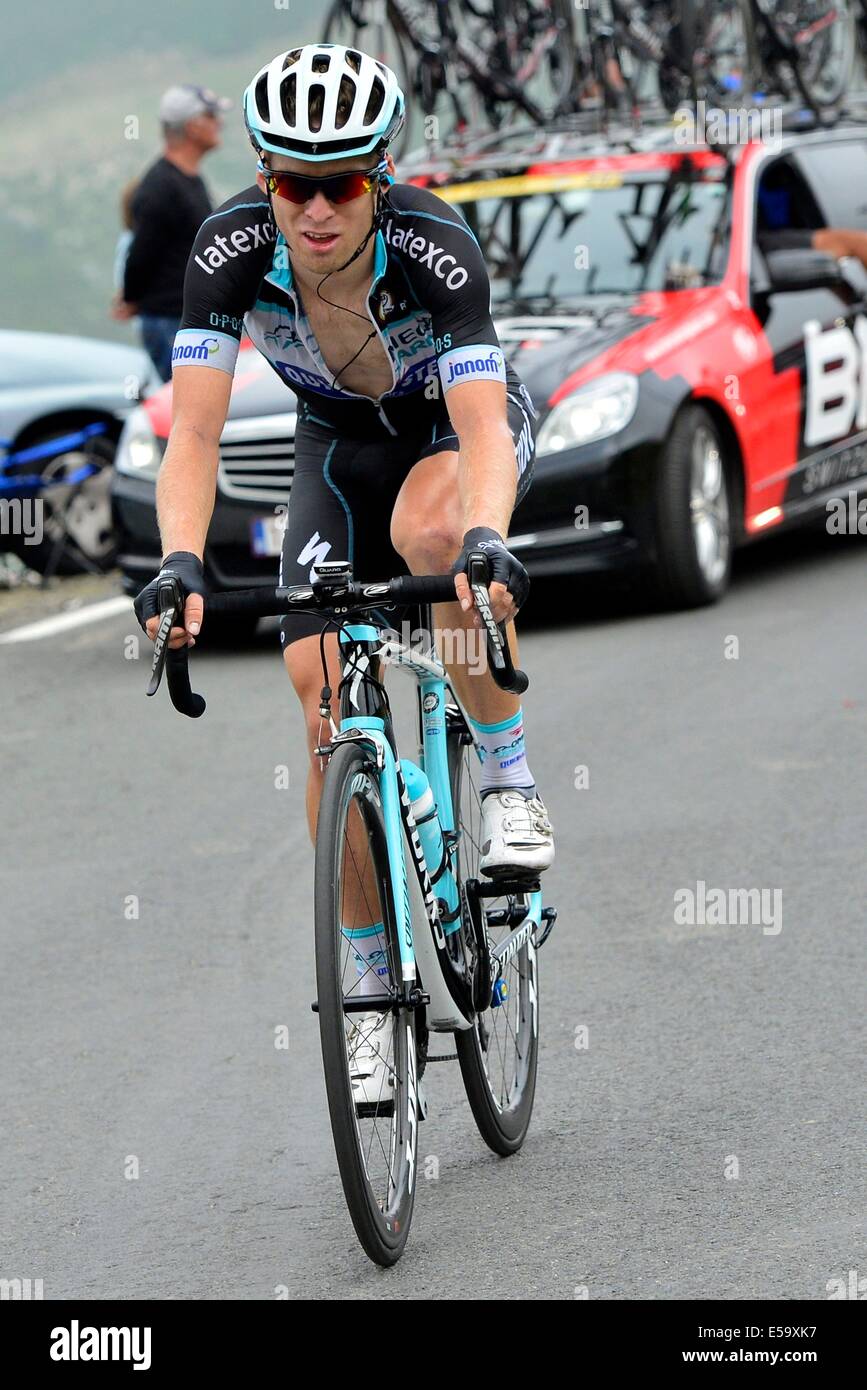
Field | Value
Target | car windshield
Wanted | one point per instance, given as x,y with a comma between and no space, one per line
604,233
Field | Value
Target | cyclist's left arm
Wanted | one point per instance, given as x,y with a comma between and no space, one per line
472,374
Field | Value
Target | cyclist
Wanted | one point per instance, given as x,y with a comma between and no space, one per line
371,300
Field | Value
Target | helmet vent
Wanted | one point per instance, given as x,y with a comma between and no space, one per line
316,102
345,99
287,98
322,62
261,97
291,58
375,101
353,59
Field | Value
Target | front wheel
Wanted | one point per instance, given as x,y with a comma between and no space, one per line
498,1055
373,1104
692,512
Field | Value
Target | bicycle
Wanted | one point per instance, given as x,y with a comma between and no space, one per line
397,844
725,52
485,59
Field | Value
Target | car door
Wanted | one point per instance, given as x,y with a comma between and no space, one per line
818,336
834,437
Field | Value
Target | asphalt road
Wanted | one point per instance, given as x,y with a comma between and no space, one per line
706,1143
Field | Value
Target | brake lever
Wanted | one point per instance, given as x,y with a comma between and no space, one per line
170,605
176,663
504,672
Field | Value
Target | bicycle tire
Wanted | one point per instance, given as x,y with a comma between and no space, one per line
381,1225
550,84
822,84
503,1127
382,38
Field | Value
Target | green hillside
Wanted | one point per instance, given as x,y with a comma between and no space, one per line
77,80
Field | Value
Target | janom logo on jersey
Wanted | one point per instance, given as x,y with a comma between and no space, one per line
197,352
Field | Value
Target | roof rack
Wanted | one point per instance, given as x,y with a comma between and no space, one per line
515,146
590,132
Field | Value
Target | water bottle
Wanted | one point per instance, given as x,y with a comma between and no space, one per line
430,834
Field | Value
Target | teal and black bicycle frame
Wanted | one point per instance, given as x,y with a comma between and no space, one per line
428,904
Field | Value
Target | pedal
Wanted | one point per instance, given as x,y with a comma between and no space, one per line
493,887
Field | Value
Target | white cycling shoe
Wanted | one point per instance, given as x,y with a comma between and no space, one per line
517,836
371,1071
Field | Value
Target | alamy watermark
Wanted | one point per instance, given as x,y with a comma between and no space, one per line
23,517
456,646
20,1290
847,516
730,125
733,907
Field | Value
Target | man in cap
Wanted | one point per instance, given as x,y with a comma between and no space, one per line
169,205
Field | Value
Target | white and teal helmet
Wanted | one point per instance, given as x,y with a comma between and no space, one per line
323,101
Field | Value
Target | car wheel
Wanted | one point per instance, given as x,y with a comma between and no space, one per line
693,512
79,511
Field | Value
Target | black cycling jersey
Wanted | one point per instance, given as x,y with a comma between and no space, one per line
429,301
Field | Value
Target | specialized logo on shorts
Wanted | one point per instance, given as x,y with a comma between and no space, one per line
436,258
197,351
315,553
243,239
478,362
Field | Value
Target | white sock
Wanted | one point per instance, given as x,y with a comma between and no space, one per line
369,947
504,764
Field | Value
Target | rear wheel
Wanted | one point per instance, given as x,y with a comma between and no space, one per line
498,1055
693,505
375,1130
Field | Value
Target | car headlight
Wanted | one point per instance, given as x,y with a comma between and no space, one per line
594,411
139,451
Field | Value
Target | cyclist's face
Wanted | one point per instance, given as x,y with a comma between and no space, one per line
322,235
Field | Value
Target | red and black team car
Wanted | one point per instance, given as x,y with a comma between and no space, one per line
698,369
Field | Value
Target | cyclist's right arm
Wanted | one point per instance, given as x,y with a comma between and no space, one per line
187,482
218,290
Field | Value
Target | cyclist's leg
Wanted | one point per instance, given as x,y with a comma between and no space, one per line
342,496
317,529
427,530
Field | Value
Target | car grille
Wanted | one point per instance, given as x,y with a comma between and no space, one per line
542,328
257,458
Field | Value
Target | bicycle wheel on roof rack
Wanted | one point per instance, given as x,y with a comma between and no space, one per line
370,26
717,57
535,46
822,35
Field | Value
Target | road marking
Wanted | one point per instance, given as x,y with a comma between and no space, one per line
63,622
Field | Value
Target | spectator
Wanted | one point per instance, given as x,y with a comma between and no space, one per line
119,308
168,207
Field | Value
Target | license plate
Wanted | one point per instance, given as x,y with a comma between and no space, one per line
266,535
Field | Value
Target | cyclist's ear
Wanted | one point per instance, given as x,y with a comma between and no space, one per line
389,163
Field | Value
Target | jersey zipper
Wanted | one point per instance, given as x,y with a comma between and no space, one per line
319,361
